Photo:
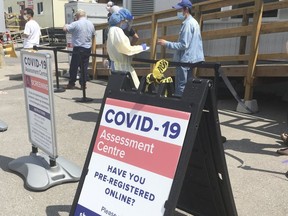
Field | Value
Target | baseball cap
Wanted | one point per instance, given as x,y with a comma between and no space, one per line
182,4
114,19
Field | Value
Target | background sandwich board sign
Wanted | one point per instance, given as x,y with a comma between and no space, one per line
151,154
38,88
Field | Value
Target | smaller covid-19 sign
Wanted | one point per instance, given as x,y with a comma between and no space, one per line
134,160
38,84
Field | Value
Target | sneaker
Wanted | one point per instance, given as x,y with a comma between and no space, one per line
284,137
106,64
69,86
283,151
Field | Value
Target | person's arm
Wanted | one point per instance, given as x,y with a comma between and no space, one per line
184,40
69,27
26,31
122,44
93,37
65,28
134,36
93,46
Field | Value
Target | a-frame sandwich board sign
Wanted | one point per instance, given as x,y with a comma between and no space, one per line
144,152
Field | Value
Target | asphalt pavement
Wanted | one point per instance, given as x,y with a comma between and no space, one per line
257,172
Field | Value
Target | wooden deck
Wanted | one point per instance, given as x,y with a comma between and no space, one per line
251,63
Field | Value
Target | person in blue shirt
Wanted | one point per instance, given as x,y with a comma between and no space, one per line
83,33
189,47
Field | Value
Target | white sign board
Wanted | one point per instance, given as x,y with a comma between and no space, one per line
38,88
134,160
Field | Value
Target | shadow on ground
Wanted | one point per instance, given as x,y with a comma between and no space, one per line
246,146
56,209
4,161
84,116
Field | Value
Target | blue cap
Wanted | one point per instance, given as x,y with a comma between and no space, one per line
114,19
126,14
182,4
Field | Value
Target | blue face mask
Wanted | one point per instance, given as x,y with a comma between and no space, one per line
124,25
180,15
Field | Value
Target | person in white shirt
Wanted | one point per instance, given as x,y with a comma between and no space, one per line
32,31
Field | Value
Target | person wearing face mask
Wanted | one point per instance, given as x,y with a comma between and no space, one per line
109,6
127,25
120,50
83,34
32,31
189,47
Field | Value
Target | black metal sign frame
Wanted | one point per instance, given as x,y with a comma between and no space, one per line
201,184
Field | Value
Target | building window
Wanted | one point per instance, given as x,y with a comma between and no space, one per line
272,13
40,8
139,8
9,9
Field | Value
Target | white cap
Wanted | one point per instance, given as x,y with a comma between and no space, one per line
115,9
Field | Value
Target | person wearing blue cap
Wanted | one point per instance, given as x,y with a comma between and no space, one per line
127,26
120,50
189,47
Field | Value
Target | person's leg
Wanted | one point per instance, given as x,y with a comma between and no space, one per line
190,74
74,64
111,65
85,61
180,80
284,135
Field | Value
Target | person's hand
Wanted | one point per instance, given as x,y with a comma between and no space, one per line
161,42
65,28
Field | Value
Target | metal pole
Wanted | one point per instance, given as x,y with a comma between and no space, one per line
58,89
52,162
83,75
34,149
